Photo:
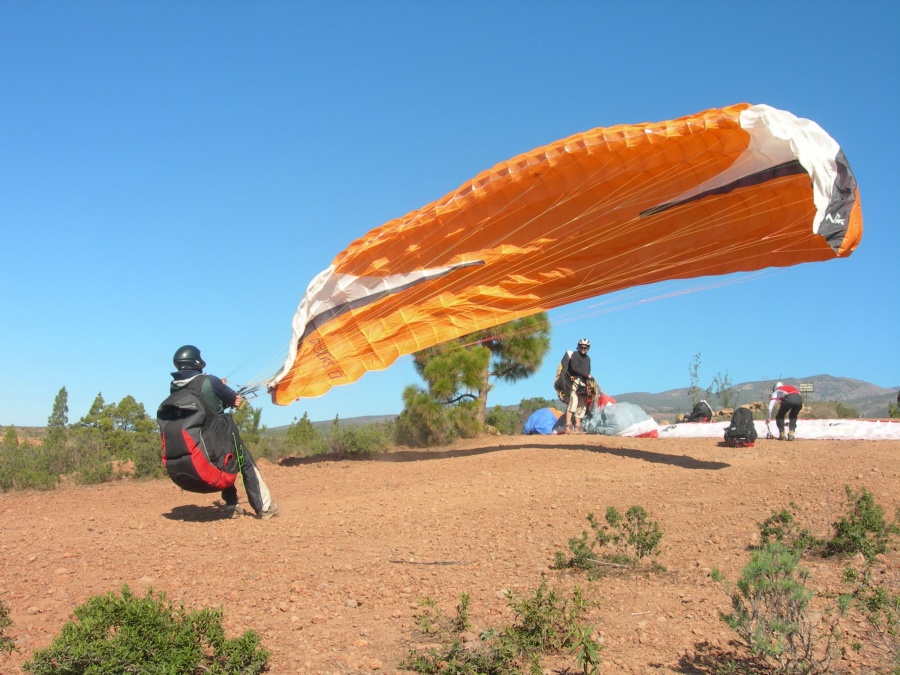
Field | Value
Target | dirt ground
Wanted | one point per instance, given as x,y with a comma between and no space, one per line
333,584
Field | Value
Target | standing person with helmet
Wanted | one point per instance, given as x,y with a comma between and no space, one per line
218,396
579,373
791,403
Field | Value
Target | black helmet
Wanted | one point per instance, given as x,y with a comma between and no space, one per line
188,358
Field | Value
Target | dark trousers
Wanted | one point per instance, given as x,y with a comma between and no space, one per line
790,406
253,485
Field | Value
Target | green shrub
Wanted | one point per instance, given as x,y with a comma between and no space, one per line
846,412
464,419
862,529
582,552
7,644
505,420
527,406
275,447
301,439
426,422
10,440
432,622
94,471
148,458
631,538
877,598
633,532
113,634
770,613
782,527
26,468
546,622
364,439
84,454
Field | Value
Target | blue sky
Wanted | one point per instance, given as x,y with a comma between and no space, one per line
177,173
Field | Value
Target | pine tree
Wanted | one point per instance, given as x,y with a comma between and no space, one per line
463,369
10,439
58,422
129,415
301,435
247,420
99,416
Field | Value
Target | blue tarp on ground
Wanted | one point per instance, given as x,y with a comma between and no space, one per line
541,422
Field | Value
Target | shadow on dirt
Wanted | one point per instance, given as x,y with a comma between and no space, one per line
681,461
195,514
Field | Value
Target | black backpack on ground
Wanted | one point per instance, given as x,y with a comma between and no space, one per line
200,446
702,412
741,433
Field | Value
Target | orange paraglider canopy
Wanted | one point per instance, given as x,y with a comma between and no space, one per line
726,190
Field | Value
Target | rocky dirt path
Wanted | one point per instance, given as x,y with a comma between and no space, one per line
333,584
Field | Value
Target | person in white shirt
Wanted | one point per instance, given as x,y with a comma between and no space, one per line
791,403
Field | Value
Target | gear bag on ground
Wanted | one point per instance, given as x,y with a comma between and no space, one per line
200,447
741,433
702,412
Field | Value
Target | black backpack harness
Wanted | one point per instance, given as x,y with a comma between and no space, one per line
201,451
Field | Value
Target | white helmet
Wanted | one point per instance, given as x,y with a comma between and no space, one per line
584,342
778,385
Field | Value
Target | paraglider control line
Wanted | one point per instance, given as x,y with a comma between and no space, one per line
248,393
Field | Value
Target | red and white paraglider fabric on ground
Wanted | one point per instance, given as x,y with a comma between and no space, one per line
871,430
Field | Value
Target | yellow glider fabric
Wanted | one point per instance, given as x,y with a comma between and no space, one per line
726,190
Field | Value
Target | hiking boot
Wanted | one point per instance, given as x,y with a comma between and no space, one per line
234,511
790,435
781,436
270,512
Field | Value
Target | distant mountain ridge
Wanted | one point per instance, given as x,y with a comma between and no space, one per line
869,399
